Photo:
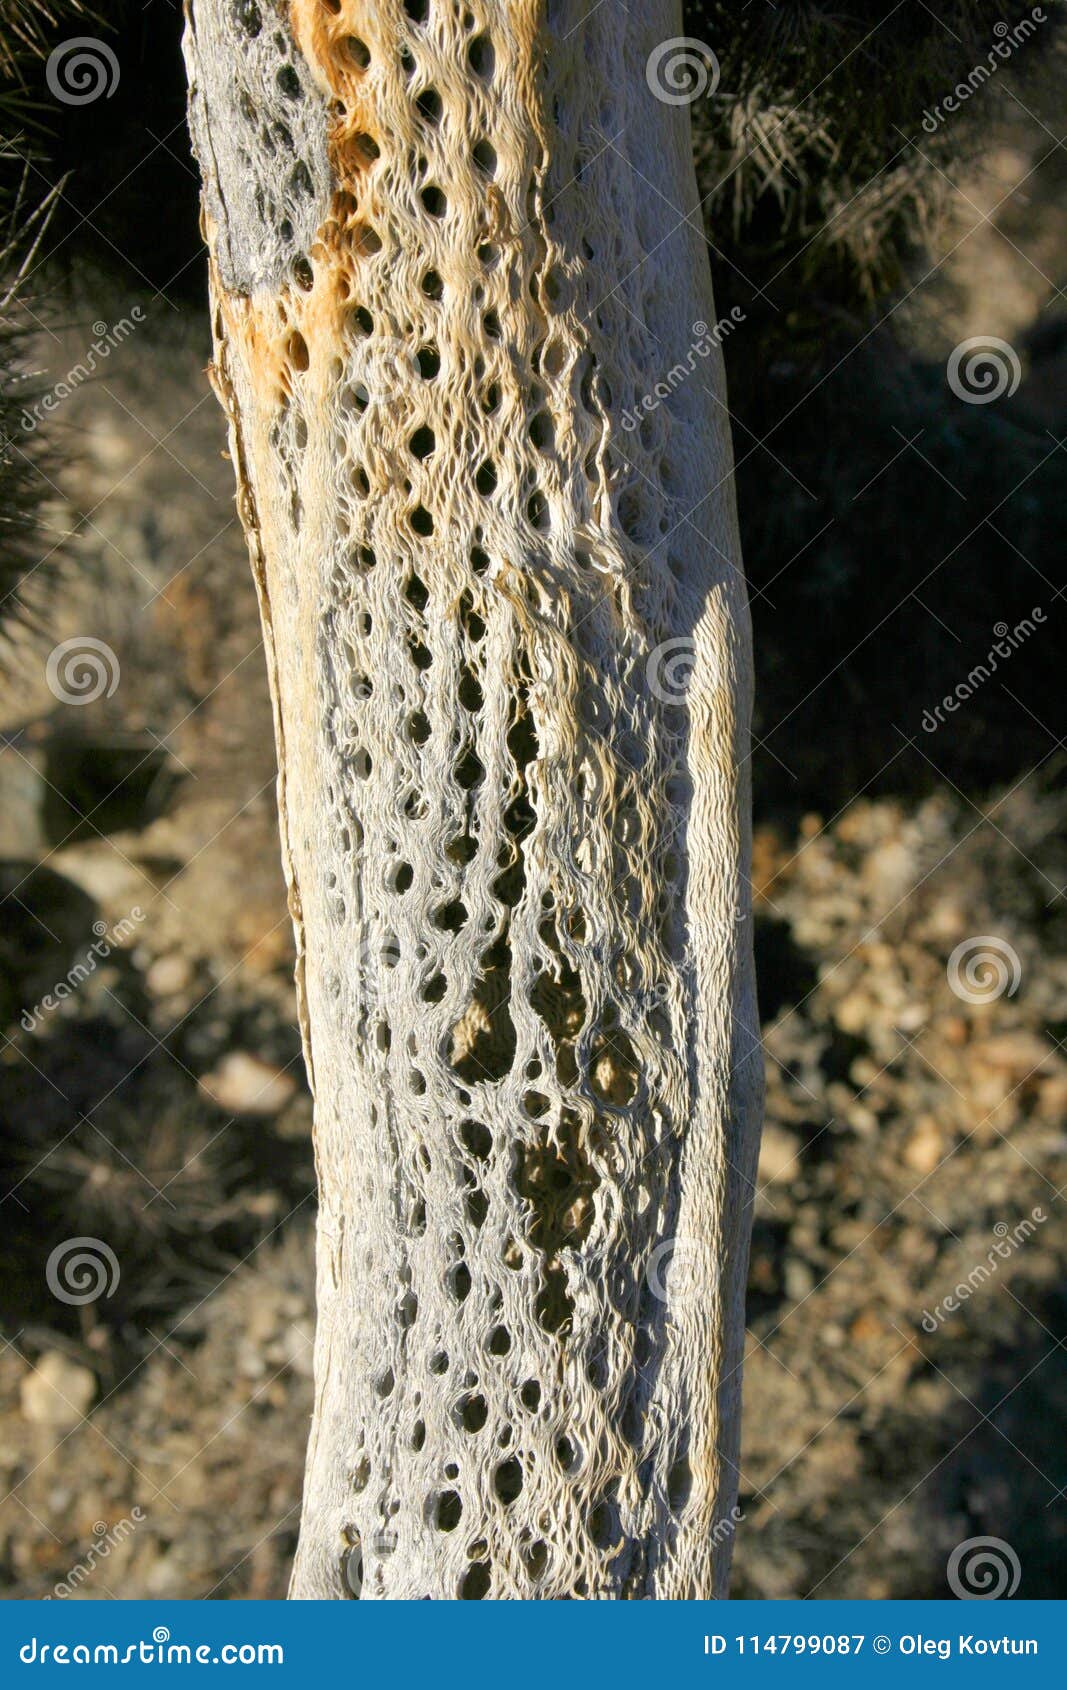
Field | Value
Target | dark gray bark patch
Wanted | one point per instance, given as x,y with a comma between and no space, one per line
258,126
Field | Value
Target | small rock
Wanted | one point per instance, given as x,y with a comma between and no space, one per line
1018,1053
250,1360
861,1119
799,1279
169,975
911,1017
864,1073
778,1155
867,1327
947,920
242,1084
1052,1099
166,1577
22,796
110,879
925,1147
855,1012
57,1392
299,1345
889,869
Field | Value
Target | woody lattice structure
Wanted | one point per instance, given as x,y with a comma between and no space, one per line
454,243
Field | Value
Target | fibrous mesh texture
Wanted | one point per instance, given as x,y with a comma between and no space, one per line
514,830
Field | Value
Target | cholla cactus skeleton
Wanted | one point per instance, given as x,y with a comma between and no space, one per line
508,641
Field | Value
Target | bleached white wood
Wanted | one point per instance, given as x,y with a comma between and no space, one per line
462,319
